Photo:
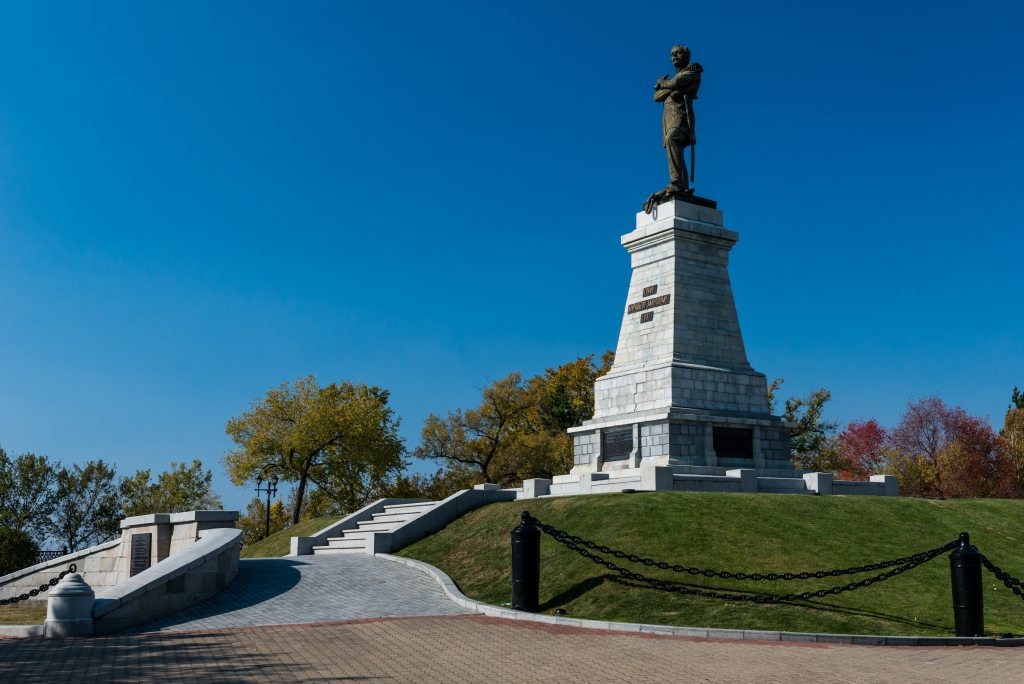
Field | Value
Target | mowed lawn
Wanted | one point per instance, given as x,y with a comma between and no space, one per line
28,613
279,543
744,533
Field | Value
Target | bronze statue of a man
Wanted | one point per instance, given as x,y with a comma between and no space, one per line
677,124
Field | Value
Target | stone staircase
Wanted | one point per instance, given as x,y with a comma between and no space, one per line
354,540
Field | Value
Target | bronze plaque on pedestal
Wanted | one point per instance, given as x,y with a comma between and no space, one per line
618,444
142,545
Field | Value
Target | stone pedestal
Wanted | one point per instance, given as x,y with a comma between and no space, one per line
681,391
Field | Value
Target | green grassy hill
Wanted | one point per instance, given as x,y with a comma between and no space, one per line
279,543
748,533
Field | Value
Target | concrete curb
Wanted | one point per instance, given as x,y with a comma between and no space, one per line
20,631
694,632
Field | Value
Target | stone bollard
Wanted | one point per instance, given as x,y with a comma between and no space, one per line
69,610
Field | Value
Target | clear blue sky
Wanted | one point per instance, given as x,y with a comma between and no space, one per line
199,201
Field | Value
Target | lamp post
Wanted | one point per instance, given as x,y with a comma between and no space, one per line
271,490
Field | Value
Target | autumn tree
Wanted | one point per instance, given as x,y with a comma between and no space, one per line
519,429
482,438
87,505
1010,478
342,438
180,488
442,484
927,428
27,493
943,451
863,448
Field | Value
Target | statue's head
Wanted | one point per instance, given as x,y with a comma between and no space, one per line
680,56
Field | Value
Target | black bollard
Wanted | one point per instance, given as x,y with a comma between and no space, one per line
968,600
526,565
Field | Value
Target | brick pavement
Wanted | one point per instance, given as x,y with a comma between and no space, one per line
480,649
276,591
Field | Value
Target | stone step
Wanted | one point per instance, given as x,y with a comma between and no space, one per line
332,550
409,506
396,517
352,534
354,540
346,543
378,525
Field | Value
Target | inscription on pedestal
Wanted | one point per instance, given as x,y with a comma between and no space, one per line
647,317
649,303
618,443
142,545
650,291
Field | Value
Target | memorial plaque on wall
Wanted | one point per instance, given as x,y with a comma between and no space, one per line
734,442
142,545
618,444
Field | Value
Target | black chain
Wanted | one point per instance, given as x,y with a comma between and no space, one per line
898,565
32,593
676,587
1011,582
575,542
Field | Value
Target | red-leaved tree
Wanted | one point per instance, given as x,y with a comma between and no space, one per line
862,446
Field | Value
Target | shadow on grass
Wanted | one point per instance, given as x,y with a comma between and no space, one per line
574,592
805,605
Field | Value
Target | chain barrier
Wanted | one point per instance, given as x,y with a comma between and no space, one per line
563,537
1011,582
585,546
32,593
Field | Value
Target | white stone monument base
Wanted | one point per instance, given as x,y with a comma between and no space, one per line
654,478
680,438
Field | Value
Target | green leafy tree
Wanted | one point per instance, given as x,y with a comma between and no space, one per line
773,388
1016,399
342,438
253,522
88,506
316,504
812,441
17,550
27,493
181,488
442,484
565,395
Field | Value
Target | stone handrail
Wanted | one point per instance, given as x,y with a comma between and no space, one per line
444,512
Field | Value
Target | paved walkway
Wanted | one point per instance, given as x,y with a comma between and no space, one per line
322,623
481,649
284,591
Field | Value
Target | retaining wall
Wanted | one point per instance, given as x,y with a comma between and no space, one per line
189,576
108,564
